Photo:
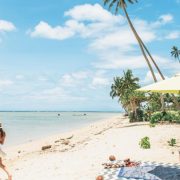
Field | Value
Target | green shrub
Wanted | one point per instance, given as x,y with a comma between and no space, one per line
146,116
175,116
138,116
170,116
152,125
172,142
156,117
145,143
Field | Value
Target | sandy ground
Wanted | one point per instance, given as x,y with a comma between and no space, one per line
78,155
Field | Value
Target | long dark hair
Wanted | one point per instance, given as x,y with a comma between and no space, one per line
2,132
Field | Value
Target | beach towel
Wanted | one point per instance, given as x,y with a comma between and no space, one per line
140,172
167,173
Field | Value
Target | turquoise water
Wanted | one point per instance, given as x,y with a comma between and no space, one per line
22,127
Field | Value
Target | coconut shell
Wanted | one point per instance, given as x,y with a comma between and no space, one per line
100,178
112,158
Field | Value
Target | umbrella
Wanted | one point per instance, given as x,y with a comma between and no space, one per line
170,85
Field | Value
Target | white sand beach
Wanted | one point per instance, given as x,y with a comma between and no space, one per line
79,155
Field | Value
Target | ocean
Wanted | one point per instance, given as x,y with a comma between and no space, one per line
22,127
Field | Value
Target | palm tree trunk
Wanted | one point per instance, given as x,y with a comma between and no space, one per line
152,59
139,42
162,76
142,45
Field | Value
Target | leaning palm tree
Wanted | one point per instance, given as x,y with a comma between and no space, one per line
123,4
175,52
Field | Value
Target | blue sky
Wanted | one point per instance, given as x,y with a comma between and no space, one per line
64,55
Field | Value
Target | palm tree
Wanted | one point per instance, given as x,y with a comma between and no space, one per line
126,83
175,53
124,88
117,91
123,4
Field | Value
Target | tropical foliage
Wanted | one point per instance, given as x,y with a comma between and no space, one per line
169,116
124,88
141,106
172,142
145,143
122,4
175,52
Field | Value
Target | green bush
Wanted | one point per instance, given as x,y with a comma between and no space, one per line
152,125
146,116
172,142
170,116
156,117
145,143
136,117
140,114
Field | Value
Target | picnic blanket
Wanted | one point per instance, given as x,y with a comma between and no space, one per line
140,172
159,171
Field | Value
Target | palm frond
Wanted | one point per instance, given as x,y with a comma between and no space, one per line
118,3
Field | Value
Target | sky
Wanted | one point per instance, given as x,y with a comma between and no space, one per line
63,55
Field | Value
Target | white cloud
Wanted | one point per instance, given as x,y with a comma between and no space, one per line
166,63
166,18
92,79
163,20
120,61
149,79
42,78
102,27
44,30
73,79
80,75
85,20
6,26
55,95
100,81
93,13
19,77
111,39
5,83
173,35
123,39
70,87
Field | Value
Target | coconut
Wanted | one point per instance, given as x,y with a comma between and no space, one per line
112,158
100,178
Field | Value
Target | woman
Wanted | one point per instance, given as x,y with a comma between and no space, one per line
2,139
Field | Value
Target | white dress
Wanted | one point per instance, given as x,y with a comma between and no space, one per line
2,153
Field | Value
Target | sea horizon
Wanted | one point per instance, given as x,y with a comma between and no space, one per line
56,111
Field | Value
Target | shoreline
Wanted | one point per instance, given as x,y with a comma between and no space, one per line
79,154
50,124
32,146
